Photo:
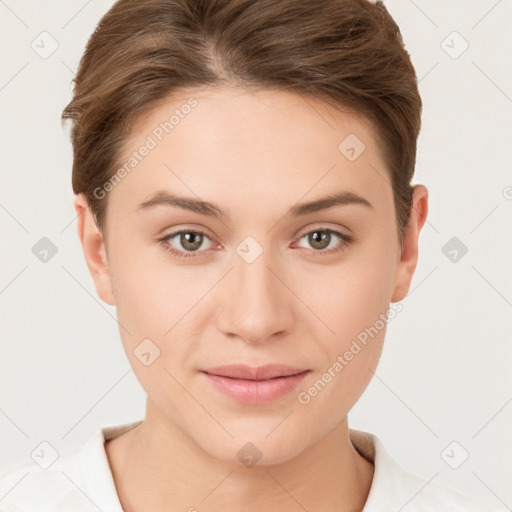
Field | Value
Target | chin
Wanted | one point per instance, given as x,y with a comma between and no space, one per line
253,446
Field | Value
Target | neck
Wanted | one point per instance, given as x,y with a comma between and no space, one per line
156,467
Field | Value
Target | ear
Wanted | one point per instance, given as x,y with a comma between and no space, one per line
93,246
409,257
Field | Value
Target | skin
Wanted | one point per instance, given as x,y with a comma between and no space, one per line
255,154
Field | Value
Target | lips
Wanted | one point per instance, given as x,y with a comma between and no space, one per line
256,386
240,371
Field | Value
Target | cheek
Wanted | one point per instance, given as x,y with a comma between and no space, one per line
152,293
162,302
360,325
358,318
358,294
356,310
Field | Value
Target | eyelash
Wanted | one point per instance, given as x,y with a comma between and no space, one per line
184,254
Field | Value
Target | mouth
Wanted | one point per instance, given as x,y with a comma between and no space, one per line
241,371
255,385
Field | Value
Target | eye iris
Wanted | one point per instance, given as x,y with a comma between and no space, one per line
317,239
196,240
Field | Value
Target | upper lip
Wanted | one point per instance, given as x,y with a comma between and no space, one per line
242,371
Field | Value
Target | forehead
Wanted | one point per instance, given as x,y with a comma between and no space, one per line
218,141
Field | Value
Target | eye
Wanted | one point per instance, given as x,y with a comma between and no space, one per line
192,240
189,240
320,239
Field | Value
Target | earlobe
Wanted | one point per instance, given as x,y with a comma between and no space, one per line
409,255
94,250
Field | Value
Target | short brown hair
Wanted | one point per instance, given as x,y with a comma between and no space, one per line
349,53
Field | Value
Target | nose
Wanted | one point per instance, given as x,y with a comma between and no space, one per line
257,304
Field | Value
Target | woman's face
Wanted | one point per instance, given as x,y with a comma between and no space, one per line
268,282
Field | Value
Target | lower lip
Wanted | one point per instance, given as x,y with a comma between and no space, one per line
256,391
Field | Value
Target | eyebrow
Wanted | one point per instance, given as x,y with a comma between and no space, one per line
164,198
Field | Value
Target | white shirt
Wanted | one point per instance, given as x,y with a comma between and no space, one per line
81,480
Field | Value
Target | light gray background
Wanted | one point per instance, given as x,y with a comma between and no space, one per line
445,372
